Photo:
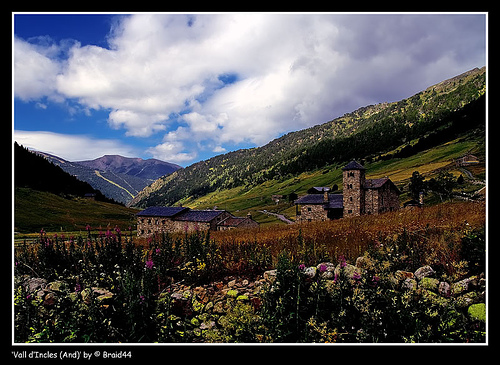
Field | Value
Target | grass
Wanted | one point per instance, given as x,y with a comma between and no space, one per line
34,210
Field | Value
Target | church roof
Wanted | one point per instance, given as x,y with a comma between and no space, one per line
199,215
161,211
334,200
378,183
353,165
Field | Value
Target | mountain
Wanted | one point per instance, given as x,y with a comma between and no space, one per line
34,172
441,112
150,169
119,178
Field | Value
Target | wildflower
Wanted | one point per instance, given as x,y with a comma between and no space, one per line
149,264
117,230
142,298
356,276
158,250
78,287
87,227
343,261
335,278
302,267
322,268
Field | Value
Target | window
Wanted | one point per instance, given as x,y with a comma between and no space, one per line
349,211
309,209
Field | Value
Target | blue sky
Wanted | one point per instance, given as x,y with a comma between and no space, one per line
185,87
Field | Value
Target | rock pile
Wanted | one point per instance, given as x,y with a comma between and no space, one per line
203,310
468,292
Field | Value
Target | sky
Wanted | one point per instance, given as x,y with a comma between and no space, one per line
186,87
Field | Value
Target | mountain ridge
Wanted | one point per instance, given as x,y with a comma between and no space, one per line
364,133
117,177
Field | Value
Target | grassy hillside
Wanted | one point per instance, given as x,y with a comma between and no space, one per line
241,200
35,210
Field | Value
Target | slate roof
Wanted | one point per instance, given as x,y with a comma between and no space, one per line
199,215
318,189
161,211
353,165
232,221
334,200
378,183
375,183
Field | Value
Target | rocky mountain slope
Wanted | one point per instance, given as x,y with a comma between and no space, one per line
117,177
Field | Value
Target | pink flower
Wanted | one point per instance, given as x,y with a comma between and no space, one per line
302,267
342,260
149,264
322,268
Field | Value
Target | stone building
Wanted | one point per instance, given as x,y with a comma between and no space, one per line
180,219
360,196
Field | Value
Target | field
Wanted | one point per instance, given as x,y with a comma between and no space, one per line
136,280
34,210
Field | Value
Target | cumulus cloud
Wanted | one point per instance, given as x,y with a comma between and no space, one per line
34,72
210,81
72,147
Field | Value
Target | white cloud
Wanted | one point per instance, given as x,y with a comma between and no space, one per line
72,147
172,152
162,73
34,72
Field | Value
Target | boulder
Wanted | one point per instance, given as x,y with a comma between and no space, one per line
429,284
424,271
270,275
478,312
460,287
444,289
409,284
34,284
350,271
310,272
402,275
57,286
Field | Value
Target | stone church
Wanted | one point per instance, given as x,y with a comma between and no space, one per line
360,196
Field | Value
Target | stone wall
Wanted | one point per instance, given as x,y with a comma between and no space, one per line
312,213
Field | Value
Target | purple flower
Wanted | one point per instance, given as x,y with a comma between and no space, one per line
322,268
142,298
356,276
149,264
335,278
158,250
375,280
78,288
342,260
302,267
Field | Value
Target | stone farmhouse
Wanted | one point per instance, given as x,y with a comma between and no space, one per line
181,219
360,196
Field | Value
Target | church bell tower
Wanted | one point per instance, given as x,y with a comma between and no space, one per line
353,184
